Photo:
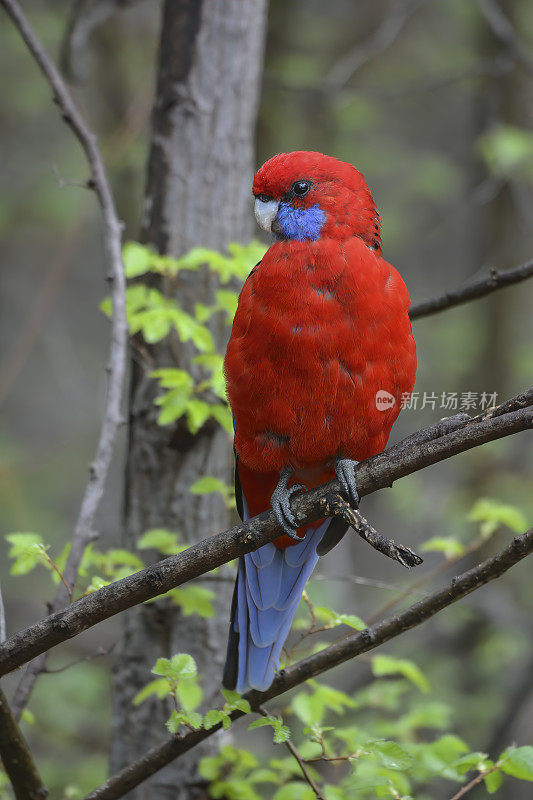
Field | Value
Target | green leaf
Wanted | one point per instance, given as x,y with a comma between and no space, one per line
166,542
234,702
189,694
173,378
197,413
311,708
193,599
28,550
518,762
106,306
27,716
209,484
203,313
155,327
388,665
160,687
282,732
223,416
202,338
493,514
508,150
452,548
295,790
493,781
391,754
213,717
334,618
190,718
181,665
227,301
230,696
137,259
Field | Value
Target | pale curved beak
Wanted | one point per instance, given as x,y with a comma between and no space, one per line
265,212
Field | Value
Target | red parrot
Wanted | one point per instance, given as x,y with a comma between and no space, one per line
321,353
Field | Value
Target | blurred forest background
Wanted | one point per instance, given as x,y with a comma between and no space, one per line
434,105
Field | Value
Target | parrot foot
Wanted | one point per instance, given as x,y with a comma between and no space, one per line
281,505
344,471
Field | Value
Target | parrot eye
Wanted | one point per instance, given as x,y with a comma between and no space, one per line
300,188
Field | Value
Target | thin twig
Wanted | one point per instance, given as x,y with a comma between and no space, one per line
338,653
503,30
2,618
372,474
17,759
424,580
474,782
336,506
376,44
84,528
473,290
301,763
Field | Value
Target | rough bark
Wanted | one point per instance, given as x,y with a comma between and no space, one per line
198,193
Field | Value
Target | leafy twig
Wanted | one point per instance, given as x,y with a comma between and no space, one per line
474,782
301,761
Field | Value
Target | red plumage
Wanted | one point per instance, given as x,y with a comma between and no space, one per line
321,327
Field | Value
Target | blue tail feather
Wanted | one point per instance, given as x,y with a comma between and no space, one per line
269,586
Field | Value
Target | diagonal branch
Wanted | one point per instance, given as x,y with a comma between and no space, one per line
473,290
348,648
429,446
17,759
84,528
504,31
383,37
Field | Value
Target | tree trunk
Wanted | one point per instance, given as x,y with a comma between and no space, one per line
198,193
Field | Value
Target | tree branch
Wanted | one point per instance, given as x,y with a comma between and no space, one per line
84,528
3,633
429,446
504,31
16,757
473,290
351,646
382,38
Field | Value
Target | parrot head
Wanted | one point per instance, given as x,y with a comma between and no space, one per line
307,195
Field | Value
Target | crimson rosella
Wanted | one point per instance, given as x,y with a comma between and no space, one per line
321,353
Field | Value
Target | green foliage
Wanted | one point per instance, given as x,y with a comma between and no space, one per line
388,665
178,680
492,515
282,733
518,762
333,618
154,316
209,484
166,542
28,550
193,599
450,547
508,151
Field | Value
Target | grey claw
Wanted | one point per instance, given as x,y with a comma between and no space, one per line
280,502
344,468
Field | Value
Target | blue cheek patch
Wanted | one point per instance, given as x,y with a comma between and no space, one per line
301,223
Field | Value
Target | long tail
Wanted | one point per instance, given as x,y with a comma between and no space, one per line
268,589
